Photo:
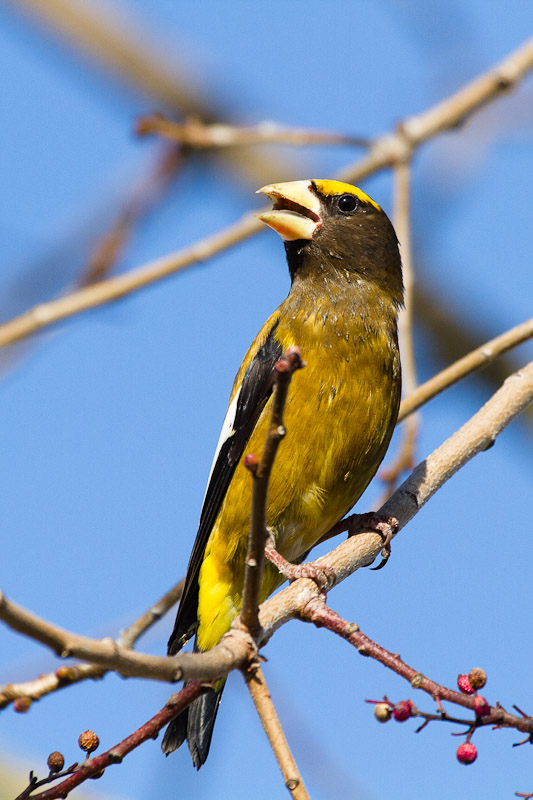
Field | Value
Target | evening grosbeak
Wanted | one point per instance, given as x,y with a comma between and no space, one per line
341,312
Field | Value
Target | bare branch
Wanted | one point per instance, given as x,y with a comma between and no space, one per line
236,648
266,710
94,767
289,362
66,676
477,435
385,151
46,314
473,361
414,131
198,135
405,458
321,615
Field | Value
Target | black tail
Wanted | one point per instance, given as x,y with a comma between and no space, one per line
196,725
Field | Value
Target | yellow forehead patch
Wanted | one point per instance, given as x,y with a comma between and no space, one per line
330,188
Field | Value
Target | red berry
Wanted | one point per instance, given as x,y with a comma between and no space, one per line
464,684
481,707
466,753
22,704
402,711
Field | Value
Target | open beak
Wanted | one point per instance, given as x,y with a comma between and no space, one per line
296,211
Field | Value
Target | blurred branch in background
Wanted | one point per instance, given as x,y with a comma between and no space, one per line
405,458
195,133
112,40
384,152
453,335
140,202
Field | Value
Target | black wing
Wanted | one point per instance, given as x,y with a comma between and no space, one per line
255,390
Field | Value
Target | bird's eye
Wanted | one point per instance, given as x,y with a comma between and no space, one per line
347,203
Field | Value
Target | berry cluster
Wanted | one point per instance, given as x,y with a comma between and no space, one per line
468,684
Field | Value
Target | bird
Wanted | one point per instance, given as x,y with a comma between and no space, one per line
341,312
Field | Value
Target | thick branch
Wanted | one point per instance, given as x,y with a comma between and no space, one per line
236,648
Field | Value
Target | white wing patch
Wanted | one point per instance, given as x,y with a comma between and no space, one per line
226,433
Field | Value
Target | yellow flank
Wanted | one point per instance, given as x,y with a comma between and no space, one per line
339,420
329,188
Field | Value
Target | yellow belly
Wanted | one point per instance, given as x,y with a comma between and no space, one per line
339,417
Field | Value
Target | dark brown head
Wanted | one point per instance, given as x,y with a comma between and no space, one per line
337,228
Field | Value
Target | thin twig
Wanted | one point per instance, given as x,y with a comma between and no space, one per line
266,710
93,767
405,458
46,314
196,134
140,200
253,566
385,152
236,648
475,360
321,615
66,676
449,113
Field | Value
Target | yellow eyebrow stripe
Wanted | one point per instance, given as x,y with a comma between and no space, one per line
329,188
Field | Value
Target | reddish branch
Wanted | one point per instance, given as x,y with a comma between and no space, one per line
322,616
261,470
95,766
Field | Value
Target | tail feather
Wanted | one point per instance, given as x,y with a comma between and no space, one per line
196,725
202,716
175,734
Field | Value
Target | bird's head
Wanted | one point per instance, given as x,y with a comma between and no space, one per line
336,228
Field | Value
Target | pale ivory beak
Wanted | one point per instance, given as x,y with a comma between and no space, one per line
296,212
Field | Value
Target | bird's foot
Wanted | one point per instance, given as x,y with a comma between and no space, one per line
323,576
381,523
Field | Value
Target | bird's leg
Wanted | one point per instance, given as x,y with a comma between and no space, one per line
357,523
323,576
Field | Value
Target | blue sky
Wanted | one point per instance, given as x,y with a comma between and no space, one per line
108,422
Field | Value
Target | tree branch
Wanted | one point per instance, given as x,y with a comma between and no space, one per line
236,649
289,362
94,767
475,360
322,616
385,151
405,457
196,134
266,711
